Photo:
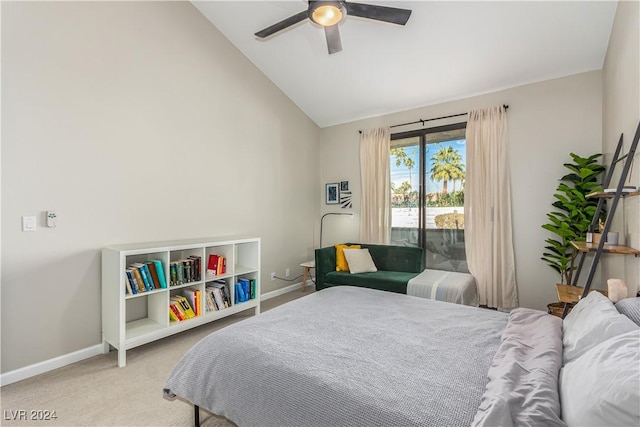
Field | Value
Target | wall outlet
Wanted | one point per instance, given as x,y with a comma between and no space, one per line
287,273
273,276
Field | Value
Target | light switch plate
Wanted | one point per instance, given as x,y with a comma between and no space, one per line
28,223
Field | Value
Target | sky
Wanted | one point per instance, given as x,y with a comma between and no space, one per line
399,174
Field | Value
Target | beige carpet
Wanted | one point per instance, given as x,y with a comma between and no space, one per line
95,392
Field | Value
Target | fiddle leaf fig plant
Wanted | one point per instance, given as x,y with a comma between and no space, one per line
573,215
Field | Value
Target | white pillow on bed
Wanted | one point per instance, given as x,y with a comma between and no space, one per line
602,387
593,320
359,261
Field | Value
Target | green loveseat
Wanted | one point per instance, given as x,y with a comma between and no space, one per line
396,266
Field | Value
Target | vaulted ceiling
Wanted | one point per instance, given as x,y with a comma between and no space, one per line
448,50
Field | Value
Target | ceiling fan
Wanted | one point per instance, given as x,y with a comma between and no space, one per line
329,13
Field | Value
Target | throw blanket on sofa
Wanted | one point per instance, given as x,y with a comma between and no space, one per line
449,286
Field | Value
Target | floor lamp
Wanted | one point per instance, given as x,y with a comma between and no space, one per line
331,213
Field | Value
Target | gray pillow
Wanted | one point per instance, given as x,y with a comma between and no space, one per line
630,307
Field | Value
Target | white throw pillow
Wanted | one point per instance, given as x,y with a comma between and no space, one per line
602,387
359,261
593,320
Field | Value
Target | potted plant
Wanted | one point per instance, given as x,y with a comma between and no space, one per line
573,215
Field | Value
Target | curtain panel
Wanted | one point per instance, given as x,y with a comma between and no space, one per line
375,174
487,209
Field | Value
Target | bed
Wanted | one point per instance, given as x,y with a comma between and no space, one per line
362,357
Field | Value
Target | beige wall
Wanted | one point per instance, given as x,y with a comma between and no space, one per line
546,122
135,121
621,114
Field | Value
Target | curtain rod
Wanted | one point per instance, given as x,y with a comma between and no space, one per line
505,106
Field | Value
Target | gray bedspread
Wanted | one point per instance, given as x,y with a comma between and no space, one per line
345,356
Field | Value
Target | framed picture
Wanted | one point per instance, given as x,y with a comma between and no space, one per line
332,194
344,186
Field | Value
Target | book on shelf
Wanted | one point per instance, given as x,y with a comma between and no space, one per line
222,265
140,268
253,283
160,272
197,267
244,283
172,313
177,310
193,297
127,283
180,271
138,277
147,272
132,280
183,303
222,285
154,274
216,265
218,297
211,305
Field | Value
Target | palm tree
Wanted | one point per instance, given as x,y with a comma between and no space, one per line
447,166
402,158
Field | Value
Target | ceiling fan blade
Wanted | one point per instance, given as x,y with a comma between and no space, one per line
379,13
282,24
333,39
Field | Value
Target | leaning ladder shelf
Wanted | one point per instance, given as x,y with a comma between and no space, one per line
601,247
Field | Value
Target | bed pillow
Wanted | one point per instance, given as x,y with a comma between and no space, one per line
602,387
630,307
593,320
341,262
359,261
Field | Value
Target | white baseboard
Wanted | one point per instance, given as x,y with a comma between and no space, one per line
77,356
284,290
49,365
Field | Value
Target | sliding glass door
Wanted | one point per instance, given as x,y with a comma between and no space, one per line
427,194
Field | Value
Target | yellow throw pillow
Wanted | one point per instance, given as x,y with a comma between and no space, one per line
341,261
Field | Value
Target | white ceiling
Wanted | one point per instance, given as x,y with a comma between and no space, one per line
448,50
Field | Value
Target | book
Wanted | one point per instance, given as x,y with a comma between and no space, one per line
173,273
154,274
143,275
218,298
160,273
244,283
132,281
222,285
252,288
190,295
222,265
211,305
138,276
127,284
197,267
212,266
179,272
186,267
184,304
241,295
176,307
172,314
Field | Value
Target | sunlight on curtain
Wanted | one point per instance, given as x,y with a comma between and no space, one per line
375,215
487,209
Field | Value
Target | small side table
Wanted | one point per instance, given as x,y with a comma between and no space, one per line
307,268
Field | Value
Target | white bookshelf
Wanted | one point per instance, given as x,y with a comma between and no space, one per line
132,320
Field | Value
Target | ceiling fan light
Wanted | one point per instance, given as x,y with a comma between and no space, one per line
327,14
